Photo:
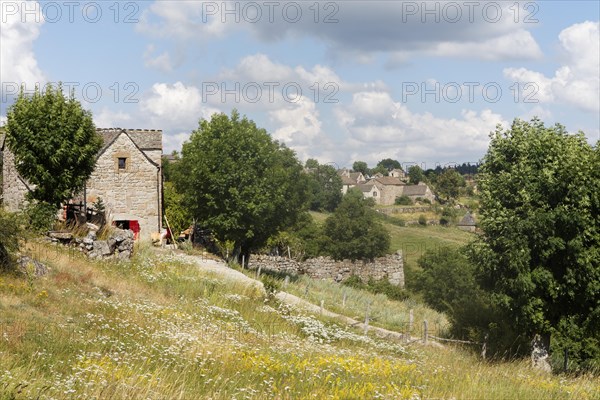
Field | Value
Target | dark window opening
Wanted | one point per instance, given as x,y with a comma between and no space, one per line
122,163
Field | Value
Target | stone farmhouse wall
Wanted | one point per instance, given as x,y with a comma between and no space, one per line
132,193
390,267
13,188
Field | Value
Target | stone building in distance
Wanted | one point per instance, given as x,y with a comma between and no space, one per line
127,177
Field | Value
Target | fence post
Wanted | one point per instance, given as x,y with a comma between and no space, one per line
344,300
425,333
243,261
484,346
367,318
566,366
258,271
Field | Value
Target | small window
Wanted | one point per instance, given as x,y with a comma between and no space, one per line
374,194
122,163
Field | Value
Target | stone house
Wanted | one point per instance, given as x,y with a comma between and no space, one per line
415,192
371,190
398,173
127,177
391,188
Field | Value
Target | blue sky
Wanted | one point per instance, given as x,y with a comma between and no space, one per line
420,82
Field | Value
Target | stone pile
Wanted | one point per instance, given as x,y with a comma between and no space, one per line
118,245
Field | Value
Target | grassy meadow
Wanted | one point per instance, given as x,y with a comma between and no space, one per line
159,328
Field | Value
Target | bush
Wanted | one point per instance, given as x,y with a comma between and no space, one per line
422,220
40,217
10,235
449,215
403,201
426,201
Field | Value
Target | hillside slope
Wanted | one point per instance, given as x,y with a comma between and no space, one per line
158,328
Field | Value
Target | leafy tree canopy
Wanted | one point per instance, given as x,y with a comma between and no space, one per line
311,163
389,164
540,214
325,186
360,166
448,184
240,183
54,142
415,174
352,231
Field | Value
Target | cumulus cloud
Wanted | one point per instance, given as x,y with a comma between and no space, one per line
577,81
19,31
357,30
162,62
376,125
175,105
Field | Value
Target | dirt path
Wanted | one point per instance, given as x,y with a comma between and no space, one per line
220,268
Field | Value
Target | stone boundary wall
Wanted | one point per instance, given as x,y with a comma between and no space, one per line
390,267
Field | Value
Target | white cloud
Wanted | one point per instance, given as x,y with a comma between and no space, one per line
112,119
378,126
162,62
18,64
356,30
176,105
577,82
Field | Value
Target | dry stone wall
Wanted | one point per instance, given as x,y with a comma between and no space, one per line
390,267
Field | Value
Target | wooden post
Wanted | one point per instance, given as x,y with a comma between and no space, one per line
169,228
289,252
425,333
367,318
243,261
484,346
344,300
258,272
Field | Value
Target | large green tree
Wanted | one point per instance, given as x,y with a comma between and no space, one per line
325,188
389,164
240,183
352,232
448,184
540,250
415,174
361,166
54,142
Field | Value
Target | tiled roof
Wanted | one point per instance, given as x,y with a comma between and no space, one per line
145,139
347,181
365,187
389,180
414,190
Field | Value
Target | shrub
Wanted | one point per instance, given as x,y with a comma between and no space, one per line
10,234
403,201
40,217
422,220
